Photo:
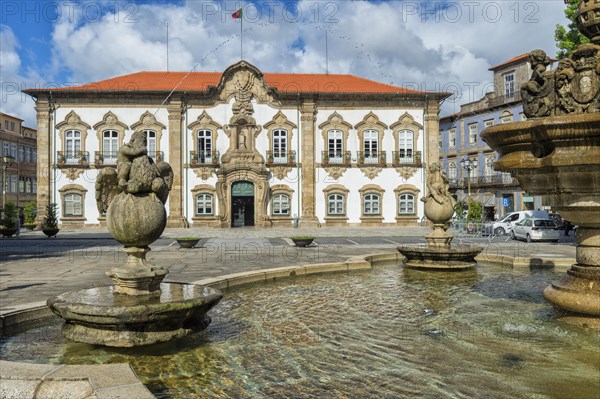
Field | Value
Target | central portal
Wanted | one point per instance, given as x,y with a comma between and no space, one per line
242,204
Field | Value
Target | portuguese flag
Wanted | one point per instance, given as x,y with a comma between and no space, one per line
237,14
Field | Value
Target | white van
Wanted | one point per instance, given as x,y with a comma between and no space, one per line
505,225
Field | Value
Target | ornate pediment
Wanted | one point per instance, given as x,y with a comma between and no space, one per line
406,171
334,172
244,81
280,171
148,121
371,171
204,172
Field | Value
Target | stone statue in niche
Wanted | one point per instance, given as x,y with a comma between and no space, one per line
243,139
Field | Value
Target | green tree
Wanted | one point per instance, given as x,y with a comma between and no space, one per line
568,38
30,212
475,213
11,214
460,210
51,221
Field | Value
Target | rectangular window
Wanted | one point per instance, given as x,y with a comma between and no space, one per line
21,153
509,85
473,133
72,146
6,124
280,146
27,154
335,204
110,146
12,126
334,146
13,150
5,149
281,205
13,184
204,146
405,145
406,204
204,204
452,137
488,123
73,205
370,146
21,185
34,155
34,185
371,204
151,143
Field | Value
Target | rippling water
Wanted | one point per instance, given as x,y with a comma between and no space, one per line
388,333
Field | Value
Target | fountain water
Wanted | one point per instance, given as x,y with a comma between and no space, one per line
138,309
556,153
439,208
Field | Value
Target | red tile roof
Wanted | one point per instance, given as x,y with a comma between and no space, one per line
200,81
519,58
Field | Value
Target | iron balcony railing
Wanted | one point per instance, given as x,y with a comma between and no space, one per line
336,157
157,156
497,180
204,157
406,158
371,157
73,158
105,157
279,157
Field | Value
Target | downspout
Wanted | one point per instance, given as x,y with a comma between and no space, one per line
185,157
186,223
298,169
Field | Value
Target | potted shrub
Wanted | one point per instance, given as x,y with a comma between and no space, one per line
50,227
9,220
302,241
187,242
30,213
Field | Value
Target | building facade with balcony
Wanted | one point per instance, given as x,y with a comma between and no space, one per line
246,148
469,162
18,144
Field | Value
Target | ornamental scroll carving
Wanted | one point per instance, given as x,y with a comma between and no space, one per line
573,88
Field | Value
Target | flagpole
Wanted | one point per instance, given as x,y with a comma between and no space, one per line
241,37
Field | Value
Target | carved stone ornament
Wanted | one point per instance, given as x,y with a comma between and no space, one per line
406,171
204,172
574,88
335,172
72,173
280,172
371,171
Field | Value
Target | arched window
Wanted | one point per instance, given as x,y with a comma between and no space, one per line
110,146
406,204
335,146
335,204
280,145
204,204
371,204
452,172
405,146
205,146
370,143
72,146
280,205
73,205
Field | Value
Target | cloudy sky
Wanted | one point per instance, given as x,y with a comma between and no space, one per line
433,45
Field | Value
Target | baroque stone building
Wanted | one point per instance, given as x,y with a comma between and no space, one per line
246,148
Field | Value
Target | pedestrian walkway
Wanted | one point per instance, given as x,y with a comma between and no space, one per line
34,268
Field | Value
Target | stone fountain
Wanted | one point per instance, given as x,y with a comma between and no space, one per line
556,154
438,253
138,309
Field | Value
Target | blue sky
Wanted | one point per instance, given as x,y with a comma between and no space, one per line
434,45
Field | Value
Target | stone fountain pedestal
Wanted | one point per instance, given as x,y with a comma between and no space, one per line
138,309
438,253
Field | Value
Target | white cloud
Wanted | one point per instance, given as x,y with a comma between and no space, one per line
12,101
391,42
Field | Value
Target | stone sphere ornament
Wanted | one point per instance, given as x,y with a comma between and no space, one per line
136,219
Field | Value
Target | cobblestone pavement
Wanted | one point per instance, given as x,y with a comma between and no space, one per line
34,268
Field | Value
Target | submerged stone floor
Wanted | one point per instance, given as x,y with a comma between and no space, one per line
34,268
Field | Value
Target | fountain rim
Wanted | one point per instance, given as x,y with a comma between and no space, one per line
17,319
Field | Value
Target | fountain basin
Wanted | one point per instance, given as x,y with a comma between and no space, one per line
102,316
440,257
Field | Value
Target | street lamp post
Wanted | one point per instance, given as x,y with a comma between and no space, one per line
468,164
7,160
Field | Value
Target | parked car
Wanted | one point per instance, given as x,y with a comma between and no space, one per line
535,229
560,222
505,225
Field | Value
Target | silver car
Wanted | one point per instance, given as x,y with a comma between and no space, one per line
535,230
